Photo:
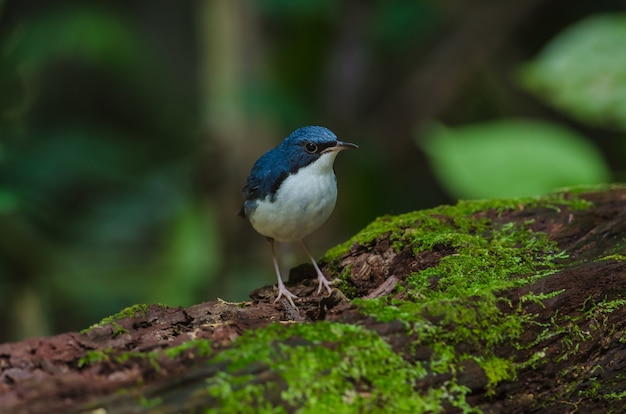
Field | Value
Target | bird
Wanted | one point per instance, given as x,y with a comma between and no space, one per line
292,190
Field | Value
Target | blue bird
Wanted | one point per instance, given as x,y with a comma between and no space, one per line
292,190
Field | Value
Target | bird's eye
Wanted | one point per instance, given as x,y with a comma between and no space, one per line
310,147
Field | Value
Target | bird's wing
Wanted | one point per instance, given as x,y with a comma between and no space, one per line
251,189
266,176
261,183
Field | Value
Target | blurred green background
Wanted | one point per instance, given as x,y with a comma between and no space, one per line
127,130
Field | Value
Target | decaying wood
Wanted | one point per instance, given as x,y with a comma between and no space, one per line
46,375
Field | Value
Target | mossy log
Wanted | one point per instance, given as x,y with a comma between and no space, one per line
507,306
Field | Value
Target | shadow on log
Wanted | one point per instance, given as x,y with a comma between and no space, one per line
500,306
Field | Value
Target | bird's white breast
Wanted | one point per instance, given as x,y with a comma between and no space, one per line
302,203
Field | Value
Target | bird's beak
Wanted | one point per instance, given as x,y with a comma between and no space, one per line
340,146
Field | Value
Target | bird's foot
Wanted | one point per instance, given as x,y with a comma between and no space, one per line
323,282
320,276
283,292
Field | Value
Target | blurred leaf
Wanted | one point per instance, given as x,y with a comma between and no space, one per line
190,257
583,71
298,8
60,175
8,201
54,159
128,216
511,158
398,24
182,258
92,34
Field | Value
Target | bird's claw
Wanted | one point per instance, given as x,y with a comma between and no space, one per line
325,283
283,292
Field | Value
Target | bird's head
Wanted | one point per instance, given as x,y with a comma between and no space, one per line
309,144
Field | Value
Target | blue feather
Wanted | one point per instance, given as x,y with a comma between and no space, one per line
269,172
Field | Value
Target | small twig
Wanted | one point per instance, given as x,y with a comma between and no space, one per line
384,289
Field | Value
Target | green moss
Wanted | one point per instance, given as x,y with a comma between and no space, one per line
594,317
202,348
327,367
455,304
341,283
497,370
94,357
617,257
120,357
591,188
128,312
437,222
150,402
615,396
452,309
458,298
151,357
118,329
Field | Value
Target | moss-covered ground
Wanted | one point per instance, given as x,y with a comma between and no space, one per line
343,368
128,312
453,311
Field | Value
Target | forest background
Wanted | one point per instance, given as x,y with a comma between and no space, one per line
127,130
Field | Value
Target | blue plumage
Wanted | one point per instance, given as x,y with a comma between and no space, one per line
291,191
274,166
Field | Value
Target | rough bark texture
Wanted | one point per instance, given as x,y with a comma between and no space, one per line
53,375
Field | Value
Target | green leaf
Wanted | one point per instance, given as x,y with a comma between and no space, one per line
511,158
90,34
298,8
8,201
191,255
583,71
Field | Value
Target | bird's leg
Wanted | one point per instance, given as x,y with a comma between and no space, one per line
320,276
282,290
